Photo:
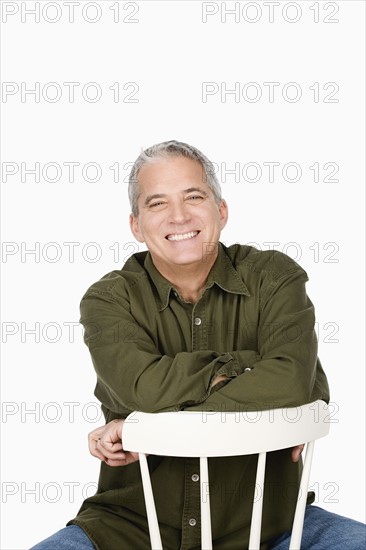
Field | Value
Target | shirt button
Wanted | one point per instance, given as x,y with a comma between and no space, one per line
192,522
195,477
247,369
197,321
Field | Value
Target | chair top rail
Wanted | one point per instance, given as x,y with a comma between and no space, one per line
201,433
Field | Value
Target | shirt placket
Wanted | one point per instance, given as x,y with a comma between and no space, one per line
191,520
199,325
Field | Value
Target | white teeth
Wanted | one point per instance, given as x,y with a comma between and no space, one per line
183,236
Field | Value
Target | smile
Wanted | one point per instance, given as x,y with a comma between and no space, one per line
182,236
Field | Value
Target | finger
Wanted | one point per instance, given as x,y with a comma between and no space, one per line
296,452
93,437
97,433
109,446
97,454
94,451
130,458
116,455
98,451
114,463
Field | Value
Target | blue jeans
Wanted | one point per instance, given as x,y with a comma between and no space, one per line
322,531
71,537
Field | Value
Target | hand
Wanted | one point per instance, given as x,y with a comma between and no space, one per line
218,379
296,452
105,443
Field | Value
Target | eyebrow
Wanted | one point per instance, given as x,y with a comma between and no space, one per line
149,198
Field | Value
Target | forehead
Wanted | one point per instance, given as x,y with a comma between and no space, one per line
171,174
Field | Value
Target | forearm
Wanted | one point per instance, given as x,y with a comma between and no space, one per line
161,384
286,370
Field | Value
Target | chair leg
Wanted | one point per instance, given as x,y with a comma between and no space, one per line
256,523
152,518
206,535
297,527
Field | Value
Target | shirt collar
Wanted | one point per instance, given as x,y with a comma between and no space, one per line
223,273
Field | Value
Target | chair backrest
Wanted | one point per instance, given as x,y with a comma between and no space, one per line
208,434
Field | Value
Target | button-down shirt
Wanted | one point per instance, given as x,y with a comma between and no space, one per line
153,351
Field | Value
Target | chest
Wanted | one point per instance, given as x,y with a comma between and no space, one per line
219,321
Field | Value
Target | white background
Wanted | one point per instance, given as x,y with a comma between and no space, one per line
168,53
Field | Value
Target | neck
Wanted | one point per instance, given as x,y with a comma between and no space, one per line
189,280
190,292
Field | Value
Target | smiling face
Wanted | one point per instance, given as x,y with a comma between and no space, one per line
178,217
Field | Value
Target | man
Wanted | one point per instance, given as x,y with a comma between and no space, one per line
194,325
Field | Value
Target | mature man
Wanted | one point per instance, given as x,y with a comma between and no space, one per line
194,325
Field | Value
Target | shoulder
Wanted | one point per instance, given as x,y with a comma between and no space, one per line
270,264
118,282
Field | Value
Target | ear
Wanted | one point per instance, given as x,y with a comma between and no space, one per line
135,228
224,213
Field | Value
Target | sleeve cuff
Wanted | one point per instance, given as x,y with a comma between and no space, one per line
236,364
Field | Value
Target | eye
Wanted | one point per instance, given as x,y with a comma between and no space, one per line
195,198
157,205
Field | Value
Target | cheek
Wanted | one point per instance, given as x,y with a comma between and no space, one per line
138,232
149,230
215,221
222,223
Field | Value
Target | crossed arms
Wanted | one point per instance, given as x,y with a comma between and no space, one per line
134,375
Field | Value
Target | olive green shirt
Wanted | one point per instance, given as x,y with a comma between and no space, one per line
154,352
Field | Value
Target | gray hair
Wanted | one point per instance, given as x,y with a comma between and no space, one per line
167,149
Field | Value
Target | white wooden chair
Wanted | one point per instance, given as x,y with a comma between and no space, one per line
209,434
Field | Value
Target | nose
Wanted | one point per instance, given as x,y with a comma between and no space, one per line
179,213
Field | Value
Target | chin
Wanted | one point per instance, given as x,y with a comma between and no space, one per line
187,258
